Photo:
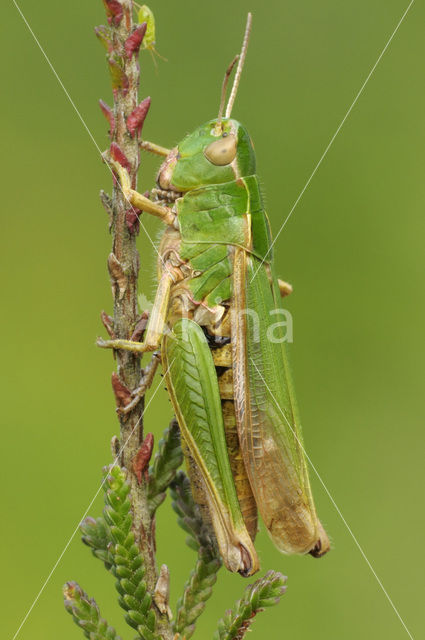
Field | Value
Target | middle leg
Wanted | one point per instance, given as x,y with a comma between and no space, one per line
156,323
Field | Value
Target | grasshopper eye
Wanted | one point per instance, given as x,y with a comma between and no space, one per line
222,151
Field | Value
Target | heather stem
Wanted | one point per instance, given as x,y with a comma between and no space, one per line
124,262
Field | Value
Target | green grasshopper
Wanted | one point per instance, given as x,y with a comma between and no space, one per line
225,365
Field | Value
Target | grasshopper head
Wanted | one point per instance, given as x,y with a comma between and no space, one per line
218,151
214,153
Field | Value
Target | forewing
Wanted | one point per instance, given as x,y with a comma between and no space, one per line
266,413
193,388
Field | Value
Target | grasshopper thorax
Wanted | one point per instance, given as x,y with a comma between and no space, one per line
214,153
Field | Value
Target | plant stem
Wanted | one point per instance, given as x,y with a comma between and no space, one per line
125,252
124,265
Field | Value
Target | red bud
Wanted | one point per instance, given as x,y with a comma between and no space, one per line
114,11
108,324
132,220
118,155
142,457
122,393
136,119
109,115
140,327
133,42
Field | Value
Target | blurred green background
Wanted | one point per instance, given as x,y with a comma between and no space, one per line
353,250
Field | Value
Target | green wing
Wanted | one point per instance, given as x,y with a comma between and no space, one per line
267,417
193,388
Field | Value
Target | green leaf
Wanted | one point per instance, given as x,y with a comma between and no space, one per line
111,539
86,614
265,592
96,535
197,591
104,34
127,562
118,76
198,588
189,516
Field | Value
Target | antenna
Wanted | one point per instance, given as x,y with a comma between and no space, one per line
240,66
223,93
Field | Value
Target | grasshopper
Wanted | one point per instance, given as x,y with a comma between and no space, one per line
226,373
